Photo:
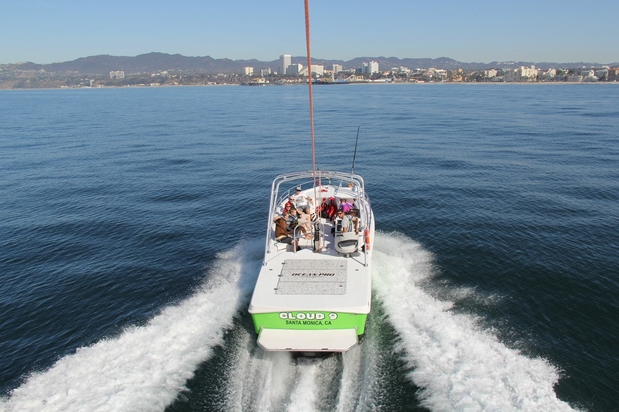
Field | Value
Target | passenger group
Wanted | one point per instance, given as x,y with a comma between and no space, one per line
297,213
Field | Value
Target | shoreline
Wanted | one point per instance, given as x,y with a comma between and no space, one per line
303,84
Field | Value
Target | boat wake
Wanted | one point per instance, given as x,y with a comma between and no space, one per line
459,365
455,363
145,367
256,380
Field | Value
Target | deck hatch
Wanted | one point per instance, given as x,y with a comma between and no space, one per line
313,277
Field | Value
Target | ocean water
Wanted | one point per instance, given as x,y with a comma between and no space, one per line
131,224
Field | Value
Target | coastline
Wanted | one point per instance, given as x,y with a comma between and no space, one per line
2,88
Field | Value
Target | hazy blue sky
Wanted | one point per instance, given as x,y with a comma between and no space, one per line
469,31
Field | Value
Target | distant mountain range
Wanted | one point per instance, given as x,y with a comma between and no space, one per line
154,62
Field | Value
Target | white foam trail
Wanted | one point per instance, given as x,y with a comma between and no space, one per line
459,365
273,381
352,379
362,376
304,391
256,380
145,368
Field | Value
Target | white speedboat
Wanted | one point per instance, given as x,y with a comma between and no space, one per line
313,292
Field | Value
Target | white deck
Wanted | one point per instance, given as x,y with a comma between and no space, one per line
323,280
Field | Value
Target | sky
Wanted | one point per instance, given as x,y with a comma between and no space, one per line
562,31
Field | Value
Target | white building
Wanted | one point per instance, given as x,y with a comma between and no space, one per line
369,68
265,72
528,72
248,70
318,69
491,73
117,74
550,73
285,62
337,68
521,74
441,73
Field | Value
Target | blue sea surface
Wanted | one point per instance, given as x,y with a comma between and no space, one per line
131,230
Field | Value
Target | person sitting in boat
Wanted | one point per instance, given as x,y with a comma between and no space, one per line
337,221
328,209
346,206
287,208
293,222
347,223
281,231
299,200
305,220
352,222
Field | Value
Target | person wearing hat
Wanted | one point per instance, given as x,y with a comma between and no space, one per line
299,200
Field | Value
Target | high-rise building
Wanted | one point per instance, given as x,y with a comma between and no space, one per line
248,70
294,69
369,68
285,62
337,68
373,67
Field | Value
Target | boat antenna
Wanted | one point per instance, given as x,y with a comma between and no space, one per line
309,82
354,156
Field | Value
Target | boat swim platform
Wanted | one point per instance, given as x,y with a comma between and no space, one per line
333,340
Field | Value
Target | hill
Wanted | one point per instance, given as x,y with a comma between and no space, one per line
154,62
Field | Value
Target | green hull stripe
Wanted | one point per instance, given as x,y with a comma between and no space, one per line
310,320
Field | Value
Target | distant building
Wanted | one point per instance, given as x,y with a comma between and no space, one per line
285,62
550,73
509,75
589,76
118,74
318,69
369,68
294,69
441,73
248,70
373,67
602,74
491,73
529,72
265,72
521,74
337,68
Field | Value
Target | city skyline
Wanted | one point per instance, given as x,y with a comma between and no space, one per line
478,31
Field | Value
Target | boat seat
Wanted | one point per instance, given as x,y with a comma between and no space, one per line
280,246
346,242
